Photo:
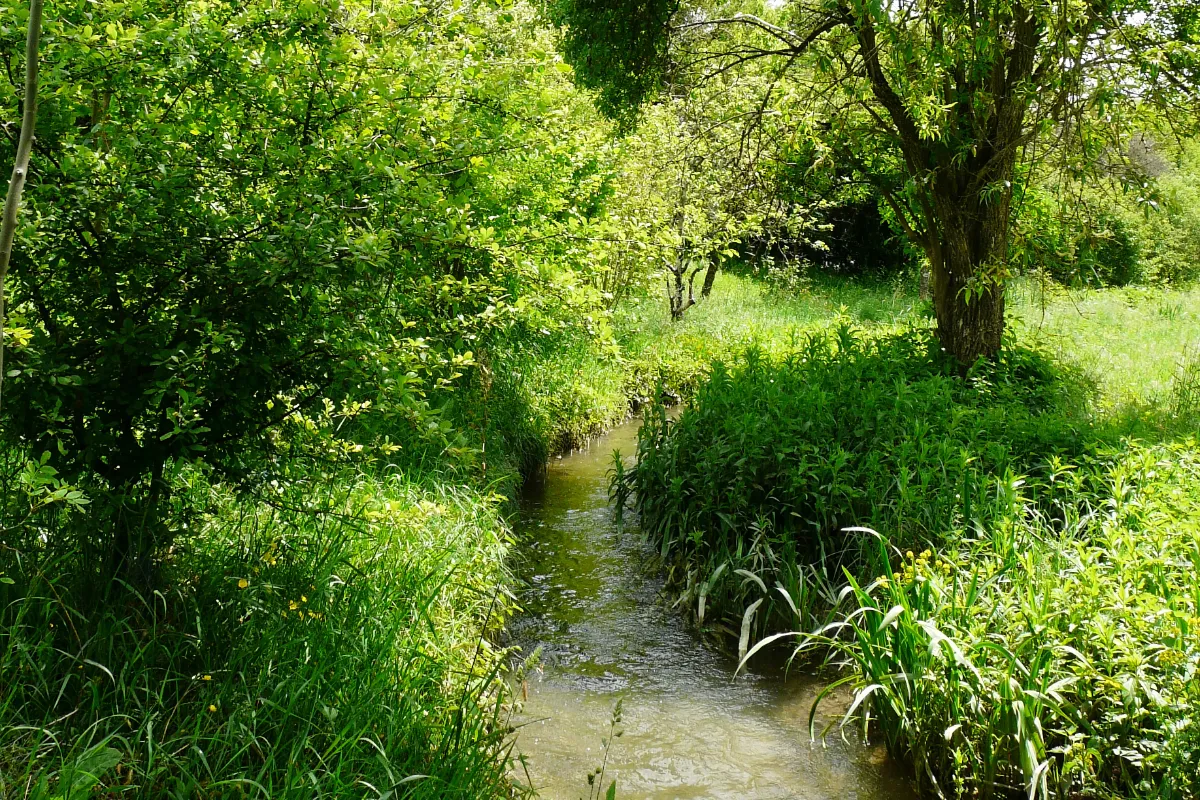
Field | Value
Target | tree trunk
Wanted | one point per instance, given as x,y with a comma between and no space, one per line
965,238
968,289
925,282
969,327
16,184
710,276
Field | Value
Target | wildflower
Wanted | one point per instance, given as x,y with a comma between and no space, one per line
208,677
212,709
243,583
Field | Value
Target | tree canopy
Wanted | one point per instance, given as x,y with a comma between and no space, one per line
944,106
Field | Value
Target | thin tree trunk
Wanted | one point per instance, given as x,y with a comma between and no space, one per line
926,280
709,277
12,201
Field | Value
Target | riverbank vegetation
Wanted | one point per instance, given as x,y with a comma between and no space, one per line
1019,542
299,294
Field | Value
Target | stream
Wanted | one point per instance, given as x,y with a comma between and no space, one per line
691,729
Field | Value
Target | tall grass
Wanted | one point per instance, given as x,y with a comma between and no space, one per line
1043,657
285,654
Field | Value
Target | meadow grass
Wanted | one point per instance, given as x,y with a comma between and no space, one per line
1132,340
558,391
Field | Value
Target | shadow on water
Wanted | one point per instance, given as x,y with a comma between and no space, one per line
691,730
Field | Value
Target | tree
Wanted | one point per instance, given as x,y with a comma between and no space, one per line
16,184
942,105
691,188
244,213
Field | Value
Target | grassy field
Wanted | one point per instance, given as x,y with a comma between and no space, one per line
1136,343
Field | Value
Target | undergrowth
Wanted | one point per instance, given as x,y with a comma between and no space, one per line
1043,657
777,456
288,652
1000,564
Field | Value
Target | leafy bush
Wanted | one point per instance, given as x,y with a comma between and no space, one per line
1168,235
850,239
774,459
1101,236
1079,243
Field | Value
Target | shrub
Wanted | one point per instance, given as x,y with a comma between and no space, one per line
1083,246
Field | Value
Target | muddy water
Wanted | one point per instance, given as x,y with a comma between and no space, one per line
691,729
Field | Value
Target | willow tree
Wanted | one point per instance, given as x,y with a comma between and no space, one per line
941,104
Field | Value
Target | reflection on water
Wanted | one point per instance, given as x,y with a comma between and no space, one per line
691,730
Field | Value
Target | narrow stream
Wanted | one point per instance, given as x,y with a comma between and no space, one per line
691,729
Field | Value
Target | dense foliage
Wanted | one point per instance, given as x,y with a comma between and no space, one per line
243,212
1021,606
267,257
776,459
1054,649
302,291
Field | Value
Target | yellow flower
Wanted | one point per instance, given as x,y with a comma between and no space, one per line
208,677
909,555
212,708
243,583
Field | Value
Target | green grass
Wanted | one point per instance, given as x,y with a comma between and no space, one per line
285,654
678,355
1131,340
556,391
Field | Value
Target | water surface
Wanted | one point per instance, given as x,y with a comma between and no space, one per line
691,729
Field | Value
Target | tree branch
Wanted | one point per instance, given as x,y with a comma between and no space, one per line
12,202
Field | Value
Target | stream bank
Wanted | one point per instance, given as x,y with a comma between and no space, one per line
594,607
